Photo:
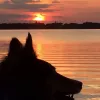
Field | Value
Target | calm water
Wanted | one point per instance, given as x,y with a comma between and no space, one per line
74,53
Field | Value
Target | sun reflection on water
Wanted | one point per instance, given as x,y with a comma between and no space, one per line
39,50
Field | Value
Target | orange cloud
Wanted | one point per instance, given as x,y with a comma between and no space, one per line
1,1
46,1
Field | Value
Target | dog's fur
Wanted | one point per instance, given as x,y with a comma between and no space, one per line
25,77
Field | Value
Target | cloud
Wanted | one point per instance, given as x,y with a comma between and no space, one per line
7,2
21,1
10,16
15,18
58,17
13,12
24,1
78,2
55,1
27,7
1,1
23,6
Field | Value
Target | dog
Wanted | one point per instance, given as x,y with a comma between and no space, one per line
25,77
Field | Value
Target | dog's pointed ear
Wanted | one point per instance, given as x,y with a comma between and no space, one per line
29,46
15,46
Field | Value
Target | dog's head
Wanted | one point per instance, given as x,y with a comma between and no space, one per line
23,67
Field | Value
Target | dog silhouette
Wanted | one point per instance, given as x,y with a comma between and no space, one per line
25,77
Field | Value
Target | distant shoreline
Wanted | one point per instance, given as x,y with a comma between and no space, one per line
86,25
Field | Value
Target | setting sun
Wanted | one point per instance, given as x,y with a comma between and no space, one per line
39,17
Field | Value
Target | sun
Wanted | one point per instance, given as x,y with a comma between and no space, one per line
39,17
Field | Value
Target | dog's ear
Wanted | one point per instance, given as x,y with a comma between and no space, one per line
29,46
14,47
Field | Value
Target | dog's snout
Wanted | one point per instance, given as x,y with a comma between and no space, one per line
79,85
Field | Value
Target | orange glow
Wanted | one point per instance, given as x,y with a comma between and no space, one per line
46,1
39,17
39,50
1,1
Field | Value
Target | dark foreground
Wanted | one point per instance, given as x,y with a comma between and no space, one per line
25,77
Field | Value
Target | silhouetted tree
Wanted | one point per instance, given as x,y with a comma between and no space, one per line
55,25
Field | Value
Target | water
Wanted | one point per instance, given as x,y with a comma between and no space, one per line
74,53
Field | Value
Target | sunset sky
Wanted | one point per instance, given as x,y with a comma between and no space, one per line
53,10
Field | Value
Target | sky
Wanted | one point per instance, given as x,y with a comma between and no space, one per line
66,11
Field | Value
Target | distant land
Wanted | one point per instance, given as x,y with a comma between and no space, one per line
55,25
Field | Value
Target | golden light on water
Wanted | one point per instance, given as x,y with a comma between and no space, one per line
39,50
39,17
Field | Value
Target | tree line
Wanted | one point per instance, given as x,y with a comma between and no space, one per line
55,25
